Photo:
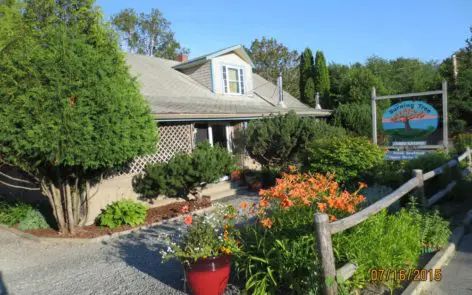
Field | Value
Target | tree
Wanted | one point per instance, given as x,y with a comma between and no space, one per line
270,58
321,77
406,115
69,109
147,33
460,88
307,85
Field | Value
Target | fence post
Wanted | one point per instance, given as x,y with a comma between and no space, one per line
469,157
325,249
419,192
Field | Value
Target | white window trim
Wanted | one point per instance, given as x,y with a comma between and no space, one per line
241,85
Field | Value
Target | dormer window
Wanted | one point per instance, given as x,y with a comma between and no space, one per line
233,80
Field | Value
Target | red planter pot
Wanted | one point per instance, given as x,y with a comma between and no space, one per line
208,276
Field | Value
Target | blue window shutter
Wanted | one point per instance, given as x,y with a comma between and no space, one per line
225,84
241,78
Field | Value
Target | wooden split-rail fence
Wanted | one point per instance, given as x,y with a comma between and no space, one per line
324,229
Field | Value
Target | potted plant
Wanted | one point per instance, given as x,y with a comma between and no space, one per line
205,250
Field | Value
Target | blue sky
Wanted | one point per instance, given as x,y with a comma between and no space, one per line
347,31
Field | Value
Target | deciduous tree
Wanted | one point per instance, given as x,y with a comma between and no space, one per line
271,57
147,33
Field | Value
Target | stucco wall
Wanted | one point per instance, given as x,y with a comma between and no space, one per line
230,59
201,74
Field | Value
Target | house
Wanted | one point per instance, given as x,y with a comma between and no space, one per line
205,98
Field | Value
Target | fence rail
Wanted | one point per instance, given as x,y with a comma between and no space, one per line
324,229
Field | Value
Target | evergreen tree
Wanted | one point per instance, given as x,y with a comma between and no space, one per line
306,73
69,109
309,92
321,78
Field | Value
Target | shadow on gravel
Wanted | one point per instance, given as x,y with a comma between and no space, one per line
141,251
3,288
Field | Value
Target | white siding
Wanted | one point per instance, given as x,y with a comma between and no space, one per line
231,59
201,74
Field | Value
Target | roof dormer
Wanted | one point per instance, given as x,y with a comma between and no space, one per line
227,71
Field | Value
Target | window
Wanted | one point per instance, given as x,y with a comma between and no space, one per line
233,80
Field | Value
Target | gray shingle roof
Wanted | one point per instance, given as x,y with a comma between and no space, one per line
174,95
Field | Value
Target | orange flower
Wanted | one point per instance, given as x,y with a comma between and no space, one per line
322,206
266,223
263,203
243,205
188,220
286,202
292,168
362,185
184,209
332,217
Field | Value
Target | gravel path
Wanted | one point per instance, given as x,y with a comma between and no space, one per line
126,265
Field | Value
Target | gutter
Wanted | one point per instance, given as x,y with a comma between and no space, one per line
169,117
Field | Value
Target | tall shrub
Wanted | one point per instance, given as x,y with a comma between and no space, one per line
69,109
346,156
277,141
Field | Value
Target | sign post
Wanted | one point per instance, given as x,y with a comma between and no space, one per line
410,124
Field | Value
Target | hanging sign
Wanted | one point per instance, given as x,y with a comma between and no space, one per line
409,123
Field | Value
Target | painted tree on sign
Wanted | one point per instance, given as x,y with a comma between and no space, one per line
406,115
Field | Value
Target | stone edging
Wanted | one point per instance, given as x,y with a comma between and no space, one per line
441,258
100,238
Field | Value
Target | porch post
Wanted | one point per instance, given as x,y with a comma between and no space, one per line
229,139
210,134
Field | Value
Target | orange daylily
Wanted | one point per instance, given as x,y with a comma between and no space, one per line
266,222
188,220
243,205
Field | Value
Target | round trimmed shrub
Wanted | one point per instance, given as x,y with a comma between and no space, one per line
346,156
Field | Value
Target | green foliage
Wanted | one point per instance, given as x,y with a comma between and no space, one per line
283,259
26,216
434,230
33,220
11,214
355,117
147,33
462,141
69,109
307,85
321,78
459,89
381,242
124,212
276,141
348,157
184,173
271,57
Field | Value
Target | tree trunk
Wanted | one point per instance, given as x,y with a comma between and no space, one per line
69,204
407,125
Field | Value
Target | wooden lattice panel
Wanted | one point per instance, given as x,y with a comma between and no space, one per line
173,138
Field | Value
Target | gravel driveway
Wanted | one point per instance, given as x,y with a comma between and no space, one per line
125,265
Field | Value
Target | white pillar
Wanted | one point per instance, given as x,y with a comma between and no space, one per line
229,138
210,134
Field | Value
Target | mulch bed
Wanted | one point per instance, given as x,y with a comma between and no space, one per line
154,215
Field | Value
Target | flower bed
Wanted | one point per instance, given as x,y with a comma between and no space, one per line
153,215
